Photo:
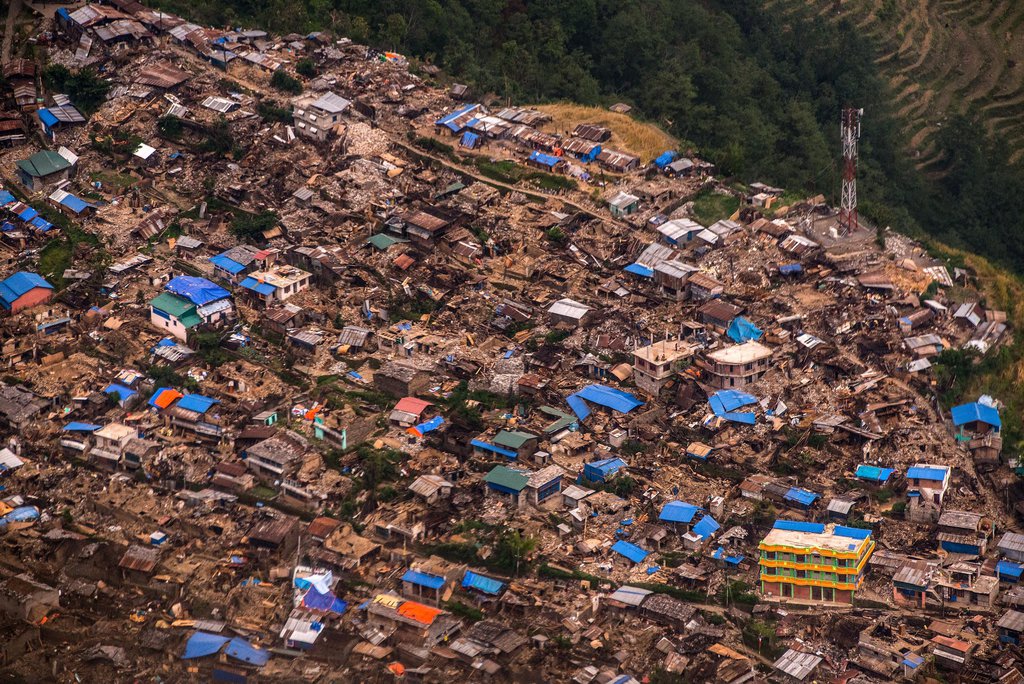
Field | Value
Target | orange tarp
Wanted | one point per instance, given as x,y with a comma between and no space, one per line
418,612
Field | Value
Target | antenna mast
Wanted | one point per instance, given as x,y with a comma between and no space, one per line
850,134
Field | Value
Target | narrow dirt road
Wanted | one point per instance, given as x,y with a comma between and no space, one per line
12,15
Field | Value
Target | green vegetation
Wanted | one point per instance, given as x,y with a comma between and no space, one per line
170,127
119,144
251,227
305,67
462,610
218,139
710,206
272,113
285,83
59,253
87,90
510,172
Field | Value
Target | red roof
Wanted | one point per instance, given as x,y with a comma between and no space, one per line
412,405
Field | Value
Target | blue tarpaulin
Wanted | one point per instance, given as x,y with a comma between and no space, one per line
798,526
487,446
800,496
639,270
666,158
6,198
469,139
706,527
630,551
7,227
678,512
75,426
27,214
423,579
196,402
791,269
975,411
430,425
22,514
874,473
240,649
719,554
471,580
742,330
925,473
725,402
578,406
48,118
202,644
608,397
547,160
323,601
125,393
199,291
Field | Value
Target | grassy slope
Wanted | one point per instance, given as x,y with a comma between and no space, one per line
941,57
628,135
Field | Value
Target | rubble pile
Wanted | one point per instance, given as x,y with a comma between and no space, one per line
372,381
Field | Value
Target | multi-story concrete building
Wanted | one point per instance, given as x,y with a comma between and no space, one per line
656,363
735,366
813,562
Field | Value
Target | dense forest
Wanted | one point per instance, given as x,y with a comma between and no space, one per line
757,95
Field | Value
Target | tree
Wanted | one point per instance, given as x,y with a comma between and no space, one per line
512,549
285,83
252,226
305,67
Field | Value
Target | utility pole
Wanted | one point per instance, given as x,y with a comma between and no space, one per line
850,134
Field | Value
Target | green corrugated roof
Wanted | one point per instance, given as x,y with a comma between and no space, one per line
43,163
179,307
513,439
381,241
506,477
564,419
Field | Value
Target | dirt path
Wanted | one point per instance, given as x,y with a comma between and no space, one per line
12,15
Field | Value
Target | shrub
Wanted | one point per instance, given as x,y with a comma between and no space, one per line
285,83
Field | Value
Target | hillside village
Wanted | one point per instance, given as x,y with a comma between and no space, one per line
319,368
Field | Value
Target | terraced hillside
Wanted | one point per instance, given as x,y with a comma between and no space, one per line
941,57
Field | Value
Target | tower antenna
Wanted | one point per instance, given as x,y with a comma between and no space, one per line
850,134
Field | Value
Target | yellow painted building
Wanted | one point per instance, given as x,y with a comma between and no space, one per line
813,562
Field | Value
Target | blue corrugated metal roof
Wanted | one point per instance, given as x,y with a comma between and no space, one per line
6,198
227,264
47,117
630,551
197,403
469,139
19,283
75,426
41,223
790,269
968,413
423,579
487,446
798,526
640,270
75,204
851,532
604,467
240,649
471,580
924,473
706,527
800,496
1009,569
874,473
27,214
678,512
258,287
578,406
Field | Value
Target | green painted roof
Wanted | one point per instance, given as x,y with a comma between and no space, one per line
506,477
43,163
564,419
179,307
513,439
